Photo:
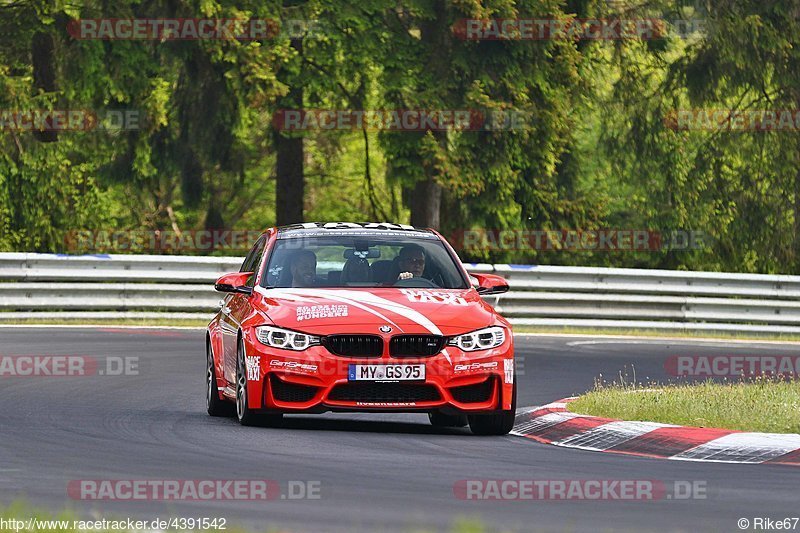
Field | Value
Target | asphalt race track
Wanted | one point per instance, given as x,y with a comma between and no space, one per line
376,472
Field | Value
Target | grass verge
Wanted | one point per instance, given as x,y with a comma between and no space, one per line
768,405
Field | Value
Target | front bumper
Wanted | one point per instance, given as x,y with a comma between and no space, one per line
315,381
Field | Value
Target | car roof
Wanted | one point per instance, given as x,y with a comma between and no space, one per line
365,229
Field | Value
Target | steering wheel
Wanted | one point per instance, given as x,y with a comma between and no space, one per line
415,283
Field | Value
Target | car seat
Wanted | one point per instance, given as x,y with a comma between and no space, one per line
355,270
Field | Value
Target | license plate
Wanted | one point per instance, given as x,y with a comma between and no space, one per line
386,373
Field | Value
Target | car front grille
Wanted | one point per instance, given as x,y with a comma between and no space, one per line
478,393
384,392
285,391
354,345
416,345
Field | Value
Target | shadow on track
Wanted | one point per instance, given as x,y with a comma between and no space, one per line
316,423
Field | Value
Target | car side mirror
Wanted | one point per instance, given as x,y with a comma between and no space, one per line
490,284
235,283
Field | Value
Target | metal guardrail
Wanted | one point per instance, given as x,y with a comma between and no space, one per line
34,286
104,268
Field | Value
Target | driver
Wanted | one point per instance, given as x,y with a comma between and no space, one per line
411,262
304,268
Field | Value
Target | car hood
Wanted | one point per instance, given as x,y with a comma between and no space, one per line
414,311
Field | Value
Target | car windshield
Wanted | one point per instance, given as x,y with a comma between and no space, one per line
362,261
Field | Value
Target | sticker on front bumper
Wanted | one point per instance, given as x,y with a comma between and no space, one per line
508,370
386,373
491,365
253,368
293,365
386,404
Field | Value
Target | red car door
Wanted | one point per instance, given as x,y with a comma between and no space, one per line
236,307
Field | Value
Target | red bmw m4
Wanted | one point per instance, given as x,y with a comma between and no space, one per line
360,317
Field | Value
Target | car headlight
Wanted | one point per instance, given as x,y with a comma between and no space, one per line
285,339
483,339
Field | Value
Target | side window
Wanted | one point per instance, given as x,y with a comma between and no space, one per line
250,263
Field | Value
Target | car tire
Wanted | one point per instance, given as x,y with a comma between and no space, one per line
245,415
214,405
441,420
495,424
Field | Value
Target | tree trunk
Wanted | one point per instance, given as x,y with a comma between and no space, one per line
425,200
290,184
44,74
794,255
796,222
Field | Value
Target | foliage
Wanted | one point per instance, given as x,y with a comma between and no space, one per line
598,147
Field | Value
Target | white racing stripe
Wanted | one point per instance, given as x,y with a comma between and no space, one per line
355,298
387,305
286,295
304,296
394,307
